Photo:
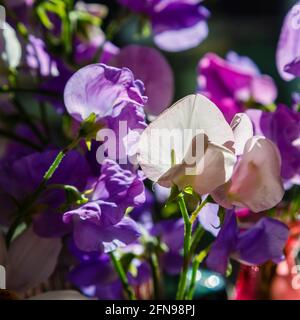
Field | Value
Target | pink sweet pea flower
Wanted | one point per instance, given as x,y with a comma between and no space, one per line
256,182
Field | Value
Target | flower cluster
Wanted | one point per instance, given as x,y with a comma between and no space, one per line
112,189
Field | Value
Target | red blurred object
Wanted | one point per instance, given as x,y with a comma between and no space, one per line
246,285
281,282
286,282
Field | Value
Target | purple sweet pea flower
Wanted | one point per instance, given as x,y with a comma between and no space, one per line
109,51
144,213
176,24
293,67
53,71
116,99
86,47
100,225
232,82
282,127
149,65
260,243
288,49
96,276
88,41
102,90
171,233
19,179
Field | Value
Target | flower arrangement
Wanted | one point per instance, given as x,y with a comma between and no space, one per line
119,192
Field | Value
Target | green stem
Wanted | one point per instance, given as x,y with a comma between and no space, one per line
123,277
186,248
192,287
194,215
196,263
25,209
155,275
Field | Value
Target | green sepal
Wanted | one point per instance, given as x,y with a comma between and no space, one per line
175,192
221,215
190,191
73,195
126,260
89,127
229,270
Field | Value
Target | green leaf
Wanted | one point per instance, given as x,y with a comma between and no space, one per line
126,260
229,270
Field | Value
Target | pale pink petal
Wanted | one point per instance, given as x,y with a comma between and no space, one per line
31,260
243,130
209,171
220,195
215,169
256,182
60,295
183,121
263,89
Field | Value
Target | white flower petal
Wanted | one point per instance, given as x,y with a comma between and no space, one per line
243,130
31,260
175,129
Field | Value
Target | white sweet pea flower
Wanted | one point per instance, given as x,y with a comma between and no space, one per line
190,144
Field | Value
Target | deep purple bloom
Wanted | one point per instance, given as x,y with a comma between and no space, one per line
144,213
102,90
149,65
176,24
86,47
100,225
288,49
16,150
232,82
22,9
95,275
109,51
282,127
171,233
20,178
260,243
